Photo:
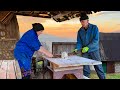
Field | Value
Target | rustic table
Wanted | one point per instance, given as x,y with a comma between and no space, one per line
72,65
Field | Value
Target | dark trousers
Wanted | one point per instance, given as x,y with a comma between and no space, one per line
98,68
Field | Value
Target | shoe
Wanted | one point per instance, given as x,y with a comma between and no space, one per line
84,77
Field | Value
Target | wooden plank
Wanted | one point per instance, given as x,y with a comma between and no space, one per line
0,62
73,61
53,65
50,68
10,39
3,70
11,71
67,68
17,70
4,14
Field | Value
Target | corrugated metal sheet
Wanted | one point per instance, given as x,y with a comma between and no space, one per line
109,36
112,49
111,45
102,52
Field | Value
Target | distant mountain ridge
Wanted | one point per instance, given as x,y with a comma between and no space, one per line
51,38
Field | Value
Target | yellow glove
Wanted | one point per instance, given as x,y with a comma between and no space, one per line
85,49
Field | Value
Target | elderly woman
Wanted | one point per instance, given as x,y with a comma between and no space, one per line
26,47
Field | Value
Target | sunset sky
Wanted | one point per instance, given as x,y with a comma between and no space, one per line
107,21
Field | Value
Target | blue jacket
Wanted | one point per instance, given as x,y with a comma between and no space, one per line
26,47
89,38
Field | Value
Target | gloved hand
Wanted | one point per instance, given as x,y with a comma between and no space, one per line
75,50
85,49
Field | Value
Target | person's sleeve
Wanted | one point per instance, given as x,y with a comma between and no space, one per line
37,46
34,44
95,40
79,42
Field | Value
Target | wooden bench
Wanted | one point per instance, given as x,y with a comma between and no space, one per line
9,69
72,65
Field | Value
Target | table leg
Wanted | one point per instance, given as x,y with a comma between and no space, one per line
79,73
57,75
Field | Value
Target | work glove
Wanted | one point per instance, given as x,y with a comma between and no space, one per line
85,49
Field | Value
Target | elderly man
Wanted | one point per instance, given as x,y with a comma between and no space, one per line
88,44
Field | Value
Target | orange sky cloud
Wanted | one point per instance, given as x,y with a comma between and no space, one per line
106,22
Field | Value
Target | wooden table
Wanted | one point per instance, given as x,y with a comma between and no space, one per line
72,65
9,69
